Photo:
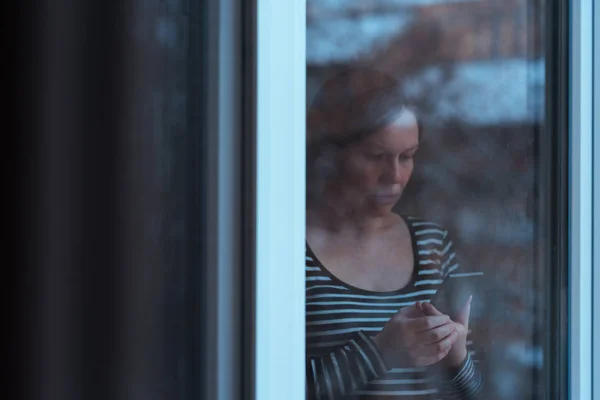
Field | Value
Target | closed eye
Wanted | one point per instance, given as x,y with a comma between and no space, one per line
375,155
409,153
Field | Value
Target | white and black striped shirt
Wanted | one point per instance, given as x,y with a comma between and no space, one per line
343,362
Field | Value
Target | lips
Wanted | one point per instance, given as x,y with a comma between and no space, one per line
386,198
387,195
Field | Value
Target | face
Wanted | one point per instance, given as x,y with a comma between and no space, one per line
373,172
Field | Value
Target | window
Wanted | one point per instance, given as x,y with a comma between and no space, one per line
195,242
480,162
539,243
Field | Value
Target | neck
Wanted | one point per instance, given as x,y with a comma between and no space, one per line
335,216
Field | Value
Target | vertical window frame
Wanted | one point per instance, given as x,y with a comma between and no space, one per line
596,206
581,194
553,224
220,159
280,200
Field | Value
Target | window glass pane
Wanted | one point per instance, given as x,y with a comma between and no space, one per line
428,163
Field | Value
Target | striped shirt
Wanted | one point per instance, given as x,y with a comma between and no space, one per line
342,360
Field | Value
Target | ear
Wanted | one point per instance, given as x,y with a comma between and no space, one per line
325,165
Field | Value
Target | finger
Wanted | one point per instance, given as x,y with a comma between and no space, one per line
412,311
436,334
441,346
432,353
430,309
443,354
426,323
409,309
419,305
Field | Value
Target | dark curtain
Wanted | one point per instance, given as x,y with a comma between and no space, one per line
110,101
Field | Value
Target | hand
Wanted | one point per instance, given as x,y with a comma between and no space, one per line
458,352
414,338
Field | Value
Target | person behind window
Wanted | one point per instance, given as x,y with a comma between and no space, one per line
370,272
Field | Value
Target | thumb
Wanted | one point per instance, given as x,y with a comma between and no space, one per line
465,313
412,311
430,309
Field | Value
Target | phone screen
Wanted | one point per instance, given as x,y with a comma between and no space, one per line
455,291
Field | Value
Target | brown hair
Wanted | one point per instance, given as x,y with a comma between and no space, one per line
348,107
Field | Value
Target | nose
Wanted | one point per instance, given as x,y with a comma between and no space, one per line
394,172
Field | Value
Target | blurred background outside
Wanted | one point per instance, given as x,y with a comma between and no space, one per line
474,69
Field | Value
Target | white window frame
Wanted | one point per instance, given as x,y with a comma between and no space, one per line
280,191
581,196
596,195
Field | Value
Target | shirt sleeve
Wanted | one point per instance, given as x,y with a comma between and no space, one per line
345,370
465,382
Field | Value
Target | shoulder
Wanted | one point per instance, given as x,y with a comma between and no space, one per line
432,245
424,228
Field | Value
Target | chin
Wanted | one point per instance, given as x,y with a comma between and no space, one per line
380,210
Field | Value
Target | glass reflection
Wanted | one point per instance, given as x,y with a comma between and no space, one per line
423,124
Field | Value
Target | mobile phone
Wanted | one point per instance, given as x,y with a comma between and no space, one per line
455,291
